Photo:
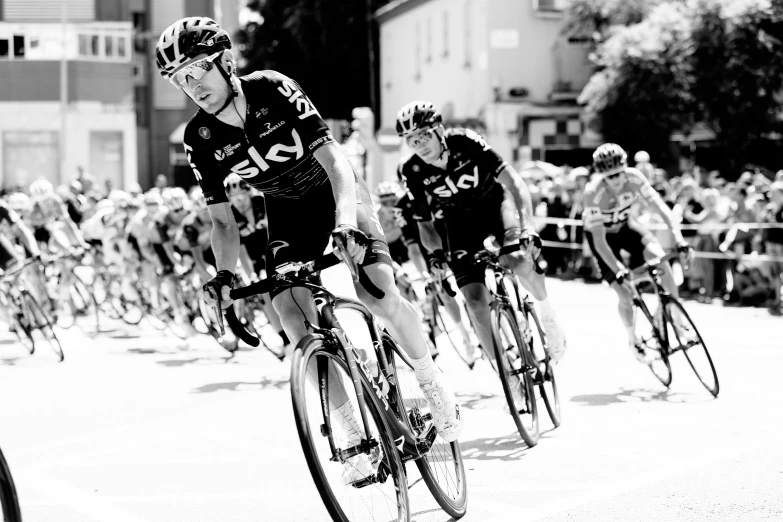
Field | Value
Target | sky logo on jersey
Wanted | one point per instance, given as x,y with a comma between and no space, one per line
465,182
295,96
278,153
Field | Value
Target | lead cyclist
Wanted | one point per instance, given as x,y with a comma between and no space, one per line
610,227
263,127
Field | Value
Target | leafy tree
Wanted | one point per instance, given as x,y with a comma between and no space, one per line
738,56
322,44
595,19
641,91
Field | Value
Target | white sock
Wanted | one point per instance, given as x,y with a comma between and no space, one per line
424,368
348,422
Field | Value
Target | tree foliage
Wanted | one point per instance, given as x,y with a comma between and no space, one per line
719,63
322,44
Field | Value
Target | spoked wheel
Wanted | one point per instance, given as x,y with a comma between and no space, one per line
655,343
441,467
22,328
515,372
359,477
40,322
9,503
83,302
685,337
545,374
455,338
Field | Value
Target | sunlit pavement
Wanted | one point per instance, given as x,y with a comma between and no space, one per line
137,425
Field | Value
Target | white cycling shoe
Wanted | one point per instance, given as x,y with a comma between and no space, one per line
556,341
446,414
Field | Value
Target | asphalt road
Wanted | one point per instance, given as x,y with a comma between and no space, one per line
137,425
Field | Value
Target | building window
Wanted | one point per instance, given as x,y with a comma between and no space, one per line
108,41
445,53
122,46
550,6
83,43
95,45
3,47
19,46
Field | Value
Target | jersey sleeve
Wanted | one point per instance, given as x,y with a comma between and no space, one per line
416,193
7,214
206,169
591,215
488,160
312,128
641,184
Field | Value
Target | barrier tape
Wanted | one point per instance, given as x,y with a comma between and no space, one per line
662,226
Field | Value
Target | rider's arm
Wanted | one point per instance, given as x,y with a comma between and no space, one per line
511,179
225,236
416,257
26,236
594,224
657,203
430,238
341,174
71,229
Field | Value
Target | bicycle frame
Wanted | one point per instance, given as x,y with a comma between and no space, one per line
654,277
410,446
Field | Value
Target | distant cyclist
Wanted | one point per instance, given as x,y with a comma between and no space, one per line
610,228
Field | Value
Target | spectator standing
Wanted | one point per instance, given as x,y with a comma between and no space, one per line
773,238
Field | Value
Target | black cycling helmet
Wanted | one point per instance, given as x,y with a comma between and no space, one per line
610,158
417,115
187,38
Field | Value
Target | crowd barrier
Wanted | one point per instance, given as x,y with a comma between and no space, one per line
744,227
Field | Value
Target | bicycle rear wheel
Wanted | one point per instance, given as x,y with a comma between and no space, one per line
515,372
39,321
545,373
441,467
688,340
9,503
380,490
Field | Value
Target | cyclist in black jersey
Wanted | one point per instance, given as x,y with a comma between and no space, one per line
265,129
250,215
481,195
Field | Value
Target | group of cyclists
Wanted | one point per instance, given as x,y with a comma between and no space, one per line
275,188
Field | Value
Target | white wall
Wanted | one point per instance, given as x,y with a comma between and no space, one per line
82,118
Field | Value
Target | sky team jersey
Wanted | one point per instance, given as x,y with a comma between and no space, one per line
602,207
273,153
469,179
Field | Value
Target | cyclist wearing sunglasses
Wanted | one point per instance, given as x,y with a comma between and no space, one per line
265,129
610,226
481,195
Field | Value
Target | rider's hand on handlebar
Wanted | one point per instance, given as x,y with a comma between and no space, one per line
530,243
623,278
220,285
348,233
686,253
437,264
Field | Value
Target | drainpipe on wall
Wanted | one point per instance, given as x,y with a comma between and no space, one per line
63,92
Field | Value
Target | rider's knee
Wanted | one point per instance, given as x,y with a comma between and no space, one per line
475,296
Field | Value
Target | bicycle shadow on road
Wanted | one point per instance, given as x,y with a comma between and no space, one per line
431,515
202,361
627,395
242,386
505,447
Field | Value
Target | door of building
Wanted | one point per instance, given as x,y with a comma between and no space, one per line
106,158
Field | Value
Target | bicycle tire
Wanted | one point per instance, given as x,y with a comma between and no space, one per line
40,321
22,331
9,501
316,345
518,379
409,396
661,366
692,353
87,304
451,335
545,374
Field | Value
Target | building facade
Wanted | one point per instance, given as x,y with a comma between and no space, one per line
66,92
504,63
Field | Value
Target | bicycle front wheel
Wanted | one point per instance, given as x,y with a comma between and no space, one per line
654,337
545,372
39,321
359,475
441,467
515,371
9,503
455,337
685,337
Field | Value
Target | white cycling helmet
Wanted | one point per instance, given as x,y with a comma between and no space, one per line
19,202
641,157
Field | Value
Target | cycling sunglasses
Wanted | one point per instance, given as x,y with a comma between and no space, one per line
416,140
196,70
615,175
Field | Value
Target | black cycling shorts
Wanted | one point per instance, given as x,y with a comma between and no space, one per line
165,260
300,229
633,238
467,229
